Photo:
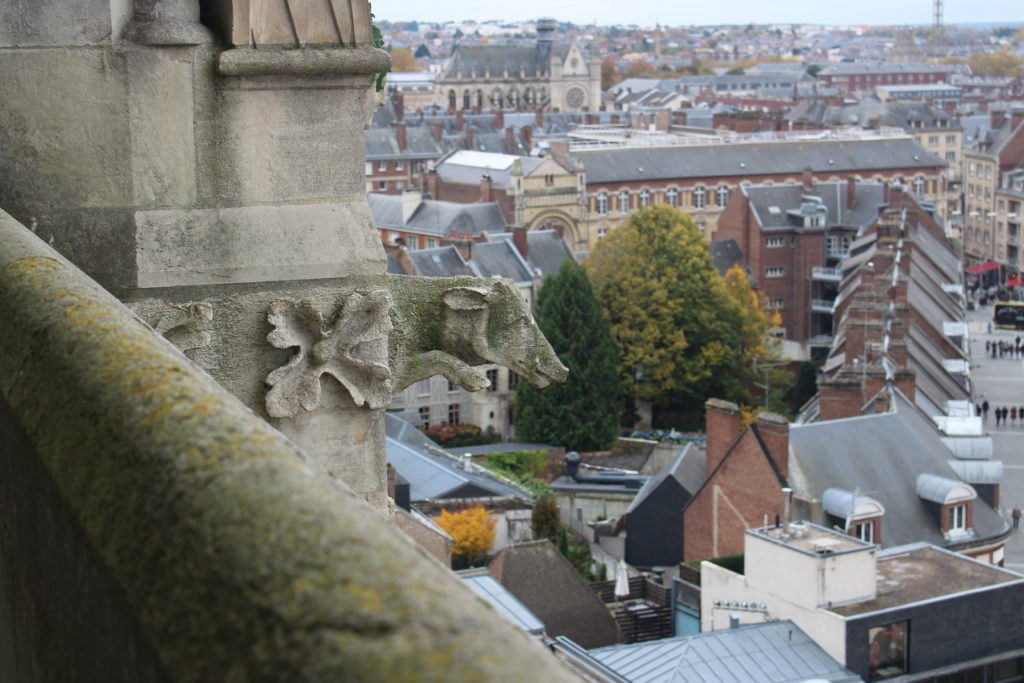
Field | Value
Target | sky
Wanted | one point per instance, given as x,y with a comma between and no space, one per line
647,12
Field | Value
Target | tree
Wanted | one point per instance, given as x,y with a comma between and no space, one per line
472,530
544,519
609,73
806,384
1002,63
682,335
582,413
814,69
639,68
422,52
402,60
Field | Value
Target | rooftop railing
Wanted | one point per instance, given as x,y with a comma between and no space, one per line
589,137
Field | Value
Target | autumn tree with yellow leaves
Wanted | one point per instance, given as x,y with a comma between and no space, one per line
684,333
472,530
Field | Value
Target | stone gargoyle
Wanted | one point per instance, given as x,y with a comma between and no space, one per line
447,325
431,326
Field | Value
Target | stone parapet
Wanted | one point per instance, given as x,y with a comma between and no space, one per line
200,539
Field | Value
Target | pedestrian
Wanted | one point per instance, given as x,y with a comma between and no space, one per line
988,346
984,408
978,407
990,327
1016,516
1013,415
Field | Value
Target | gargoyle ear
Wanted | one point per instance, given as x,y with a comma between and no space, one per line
465,298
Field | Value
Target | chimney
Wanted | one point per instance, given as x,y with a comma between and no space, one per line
401,254
486,186
403,139
722,426
459,122
851,192
432,184
839,398
526,133
572,464
510,140
399,107
499,119
774,432
1016,118
996,118
410,202
539,116
470,138
519,240
808,178
438,131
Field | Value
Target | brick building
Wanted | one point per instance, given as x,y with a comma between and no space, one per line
396,157
853,77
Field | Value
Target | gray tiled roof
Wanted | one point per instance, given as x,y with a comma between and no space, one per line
382,143
431,472
436,217
844,68
867,111
745,160
440,262
727,253
546,251
501,259
687,468
867,198
522,62
484,585
759,653
849,453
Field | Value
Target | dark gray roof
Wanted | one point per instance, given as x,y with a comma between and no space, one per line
522,62
867,112
850,453
759,653
395,267
433,473
502,259
382,143
436,217
749,159
545,250
688,468
543,580
845,68
485,585
727,253
440,262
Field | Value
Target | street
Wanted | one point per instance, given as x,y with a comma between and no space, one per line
1000,381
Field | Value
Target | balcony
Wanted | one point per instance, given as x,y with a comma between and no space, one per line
826,274
822,305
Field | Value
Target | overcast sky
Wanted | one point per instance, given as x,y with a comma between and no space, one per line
647,12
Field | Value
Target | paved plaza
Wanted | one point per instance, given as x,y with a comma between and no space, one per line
1001,382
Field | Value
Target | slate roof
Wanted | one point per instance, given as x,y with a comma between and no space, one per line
872,112
845,68
546,251
867,199
544,581
523,62
687,468
484,585
748,159
382,143
849,453
467,167
502,259
759,653
434,474
440,262
437,217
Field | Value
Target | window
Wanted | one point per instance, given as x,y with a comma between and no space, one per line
950,156
672,197
958,518
425,416
549,180
699,197
950,139
382,185
624,202
399,165
933,139
453,414
382,165
988,173
723,196
970,169
919,187
775,242
887,650
774,271
369,168
452,387
602,203
601,232
513,380
492,377
399,184
645,199
865,531
777,304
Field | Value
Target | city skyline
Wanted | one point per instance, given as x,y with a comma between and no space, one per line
604,12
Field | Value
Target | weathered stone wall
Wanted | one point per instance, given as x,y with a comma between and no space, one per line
153,528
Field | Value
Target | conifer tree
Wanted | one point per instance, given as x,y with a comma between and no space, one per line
583,413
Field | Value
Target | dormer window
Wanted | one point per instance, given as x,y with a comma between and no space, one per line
859,516
951,500
958,518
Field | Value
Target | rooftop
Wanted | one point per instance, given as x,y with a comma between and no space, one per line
811,538
919,572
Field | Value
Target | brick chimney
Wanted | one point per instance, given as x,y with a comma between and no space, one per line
470,138
774,432
539,116
411,201
433,186
839,398
808,178
1016,118
399,107
996,118
851,192
722,426
486,188
499,119
438,131
402,135
510,140
459,120
526,133
519,239
401,254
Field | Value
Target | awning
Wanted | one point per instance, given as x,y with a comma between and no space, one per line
1013,282
983,267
